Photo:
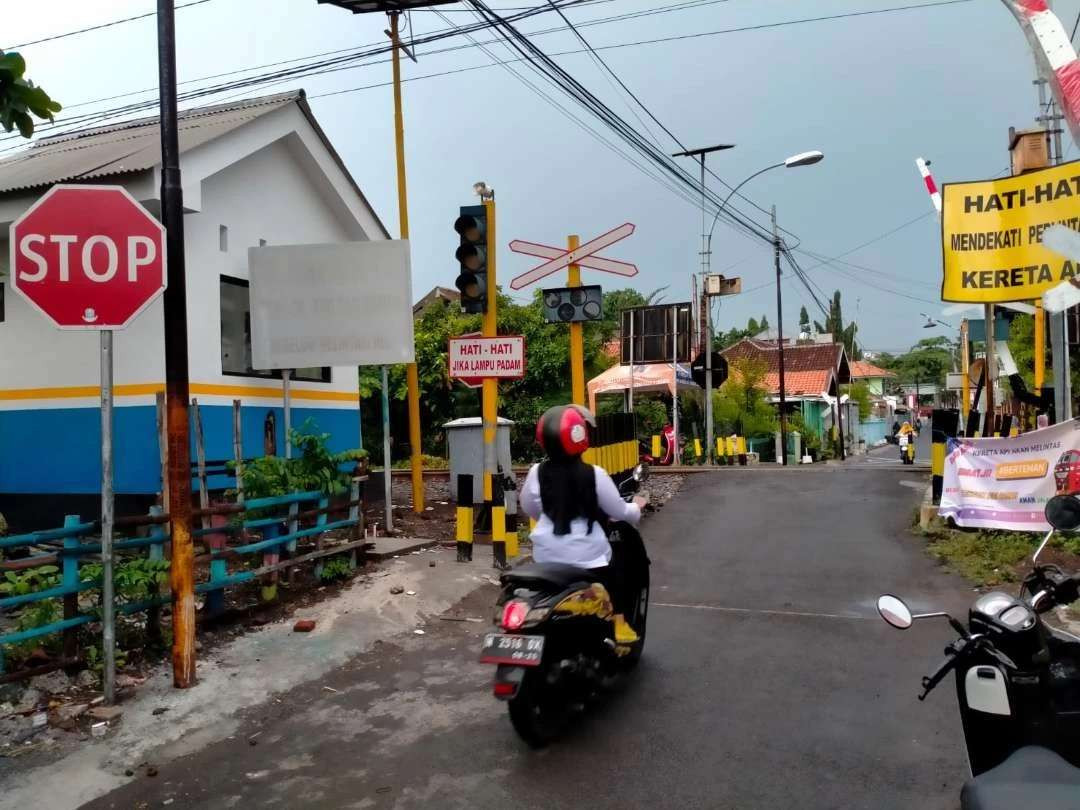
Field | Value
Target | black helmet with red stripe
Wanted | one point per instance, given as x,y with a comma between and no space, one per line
564,431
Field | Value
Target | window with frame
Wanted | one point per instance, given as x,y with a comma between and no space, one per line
236,337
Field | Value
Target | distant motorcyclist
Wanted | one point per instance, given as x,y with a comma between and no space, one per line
906,439
568,499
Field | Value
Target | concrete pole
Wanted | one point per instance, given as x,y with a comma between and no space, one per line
182,576
108,608
388,485
780,340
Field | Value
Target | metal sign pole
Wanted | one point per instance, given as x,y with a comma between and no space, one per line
108,613
388,520
286,387
675,381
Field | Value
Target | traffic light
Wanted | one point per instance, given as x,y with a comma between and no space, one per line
471,254
573,304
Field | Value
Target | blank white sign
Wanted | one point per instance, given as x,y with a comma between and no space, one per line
347,304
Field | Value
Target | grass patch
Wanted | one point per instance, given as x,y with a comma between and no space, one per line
986,557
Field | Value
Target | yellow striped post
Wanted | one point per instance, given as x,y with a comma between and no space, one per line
944,424
697,447
740,448
512,550
464,518
498,525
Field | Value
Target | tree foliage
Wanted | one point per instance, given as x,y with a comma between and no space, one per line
834,325
546,381
927,361
739,405
20,99
860,393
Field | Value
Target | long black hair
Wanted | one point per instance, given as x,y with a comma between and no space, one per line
568,491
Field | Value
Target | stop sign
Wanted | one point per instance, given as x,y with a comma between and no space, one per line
88,257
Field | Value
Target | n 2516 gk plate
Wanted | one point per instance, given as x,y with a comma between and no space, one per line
502,648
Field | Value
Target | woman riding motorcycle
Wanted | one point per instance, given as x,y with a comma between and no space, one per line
569,498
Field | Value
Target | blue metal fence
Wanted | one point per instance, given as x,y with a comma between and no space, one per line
279,533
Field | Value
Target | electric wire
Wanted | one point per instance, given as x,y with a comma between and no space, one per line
100,26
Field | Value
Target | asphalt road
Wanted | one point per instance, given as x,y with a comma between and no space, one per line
768,682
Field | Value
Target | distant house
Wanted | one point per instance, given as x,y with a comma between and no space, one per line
873,376
436,295
813,373
254,172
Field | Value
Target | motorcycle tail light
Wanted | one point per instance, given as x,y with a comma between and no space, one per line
505,689
514,614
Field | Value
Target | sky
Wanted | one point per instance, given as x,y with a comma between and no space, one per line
872,92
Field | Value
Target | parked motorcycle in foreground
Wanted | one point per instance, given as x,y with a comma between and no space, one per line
1017,684
556,651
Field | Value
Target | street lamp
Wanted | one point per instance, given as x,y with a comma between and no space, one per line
934,323
801,159
705,261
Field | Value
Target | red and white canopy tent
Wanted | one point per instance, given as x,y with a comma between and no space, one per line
648,378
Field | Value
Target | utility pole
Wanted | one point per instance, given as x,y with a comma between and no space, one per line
182,577
706,266
490,385
780,343
577,335
412,378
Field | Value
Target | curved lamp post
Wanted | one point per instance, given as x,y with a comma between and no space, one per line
801,159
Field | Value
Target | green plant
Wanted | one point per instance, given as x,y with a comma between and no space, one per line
20,98
95,658
430,463
651,415
984,557
739,406
336,568
315,469
30,580
135,580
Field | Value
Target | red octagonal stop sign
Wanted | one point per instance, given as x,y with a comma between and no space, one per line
88,257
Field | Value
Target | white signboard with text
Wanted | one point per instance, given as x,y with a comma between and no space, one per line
346,304
476,358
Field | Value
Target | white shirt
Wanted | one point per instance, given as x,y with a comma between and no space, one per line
583,548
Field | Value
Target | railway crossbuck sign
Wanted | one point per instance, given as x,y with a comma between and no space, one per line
584,255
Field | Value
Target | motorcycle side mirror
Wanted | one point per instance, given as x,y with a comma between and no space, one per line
894,611
641,473
1063,513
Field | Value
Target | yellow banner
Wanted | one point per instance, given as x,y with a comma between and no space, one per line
992,235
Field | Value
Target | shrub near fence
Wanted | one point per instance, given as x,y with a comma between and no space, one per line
61,564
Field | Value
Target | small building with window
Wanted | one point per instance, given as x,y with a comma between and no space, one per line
255,172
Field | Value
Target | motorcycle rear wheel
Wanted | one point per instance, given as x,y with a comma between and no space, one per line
638,618
538,712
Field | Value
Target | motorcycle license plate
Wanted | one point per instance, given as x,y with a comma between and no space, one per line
502,648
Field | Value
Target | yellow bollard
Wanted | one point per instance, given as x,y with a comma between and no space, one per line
656,452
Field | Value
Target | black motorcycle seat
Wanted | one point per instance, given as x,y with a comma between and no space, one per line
557,574
1032,778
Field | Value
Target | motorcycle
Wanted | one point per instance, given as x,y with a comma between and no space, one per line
555,649
906,442
1017,685
667,447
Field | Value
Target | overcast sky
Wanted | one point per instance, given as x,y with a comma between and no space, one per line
872,92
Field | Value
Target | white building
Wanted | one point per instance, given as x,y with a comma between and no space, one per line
254,172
